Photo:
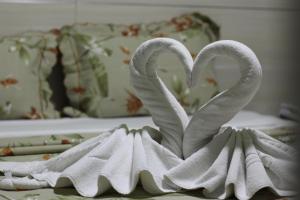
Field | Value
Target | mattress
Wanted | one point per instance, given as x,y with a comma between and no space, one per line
23,140
26,128
139,193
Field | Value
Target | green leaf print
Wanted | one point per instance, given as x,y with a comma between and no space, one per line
53,137
87,51
83,39
6,109
100,75
1,110
214,33
108,51
195,105
177,85
102,80
24,55
75,136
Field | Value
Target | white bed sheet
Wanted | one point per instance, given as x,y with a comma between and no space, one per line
23,128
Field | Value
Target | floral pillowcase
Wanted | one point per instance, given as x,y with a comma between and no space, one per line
26,62
95,60
96,64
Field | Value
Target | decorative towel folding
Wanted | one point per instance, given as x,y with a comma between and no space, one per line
183,153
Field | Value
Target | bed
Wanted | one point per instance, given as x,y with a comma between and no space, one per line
29,140
41,140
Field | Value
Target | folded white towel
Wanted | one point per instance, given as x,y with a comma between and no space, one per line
117,159
222,161
239,162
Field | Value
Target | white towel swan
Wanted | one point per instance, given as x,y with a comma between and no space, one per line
229,161
206,122
221,161
165,110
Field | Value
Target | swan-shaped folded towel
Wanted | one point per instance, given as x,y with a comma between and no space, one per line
183,153
206,122
240,163
223,162
165,110
117,159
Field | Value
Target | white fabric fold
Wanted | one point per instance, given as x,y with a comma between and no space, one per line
239,162
116,160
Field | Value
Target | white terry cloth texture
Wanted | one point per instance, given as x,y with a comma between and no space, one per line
184,153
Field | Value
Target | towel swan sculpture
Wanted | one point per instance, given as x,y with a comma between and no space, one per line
183,154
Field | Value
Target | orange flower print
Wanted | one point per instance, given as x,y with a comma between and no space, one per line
46,157
125,33
33,114
125,50
132,30
78,90
182,23
126,61
133,103
7,151
8,82
211,81
55,31
65,141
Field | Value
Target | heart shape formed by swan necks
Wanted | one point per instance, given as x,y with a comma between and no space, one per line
180,135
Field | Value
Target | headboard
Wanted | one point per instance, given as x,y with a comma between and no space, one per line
263,25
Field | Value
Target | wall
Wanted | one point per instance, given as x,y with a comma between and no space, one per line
264,25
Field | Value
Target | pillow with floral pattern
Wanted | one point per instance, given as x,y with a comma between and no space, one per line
96,64
26,62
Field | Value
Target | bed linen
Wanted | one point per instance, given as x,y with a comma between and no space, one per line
139,193
26,128
41,140
65,133
23,137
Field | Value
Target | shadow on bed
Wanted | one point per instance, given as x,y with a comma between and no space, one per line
139,193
